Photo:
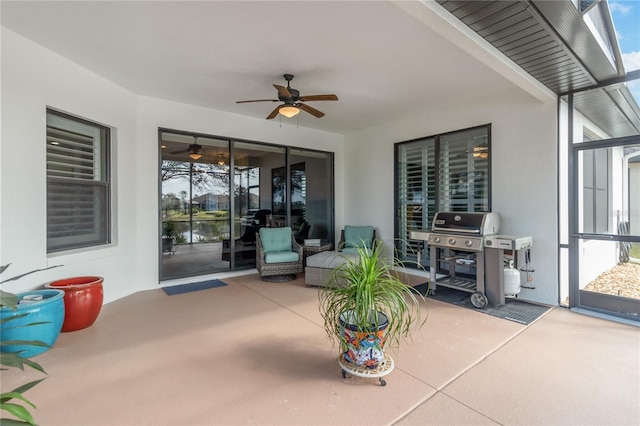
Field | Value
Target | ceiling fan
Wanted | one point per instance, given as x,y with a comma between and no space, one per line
293,102
194,150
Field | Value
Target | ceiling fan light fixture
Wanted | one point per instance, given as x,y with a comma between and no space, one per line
289,111
195,155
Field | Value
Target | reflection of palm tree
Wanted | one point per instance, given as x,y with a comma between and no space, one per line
183,198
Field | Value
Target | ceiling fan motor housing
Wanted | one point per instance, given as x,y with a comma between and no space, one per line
295,95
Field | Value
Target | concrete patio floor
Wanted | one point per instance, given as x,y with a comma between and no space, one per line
255,353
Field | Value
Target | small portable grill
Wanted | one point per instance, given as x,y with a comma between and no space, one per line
456,242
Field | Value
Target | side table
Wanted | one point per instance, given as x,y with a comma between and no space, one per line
309,250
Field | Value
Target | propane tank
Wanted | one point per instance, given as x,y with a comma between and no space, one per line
511,279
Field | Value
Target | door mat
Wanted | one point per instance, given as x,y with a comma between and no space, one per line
513,309
187,288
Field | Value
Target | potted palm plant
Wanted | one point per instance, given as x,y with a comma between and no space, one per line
168,236
367,306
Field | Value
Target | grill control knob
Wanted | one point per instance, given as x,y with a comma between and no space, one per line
468,243
452,240
436,239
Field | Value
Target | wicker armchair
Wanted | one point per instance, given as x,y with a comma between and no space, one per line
278,255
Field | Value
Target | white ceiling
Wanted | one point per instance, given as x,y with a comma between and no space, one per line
382,62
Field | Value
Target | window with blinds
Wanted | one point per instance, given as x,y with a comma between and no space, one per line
78,187
447,172
415,197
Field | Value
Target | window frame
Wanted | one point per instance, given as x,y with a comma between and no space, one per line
95,192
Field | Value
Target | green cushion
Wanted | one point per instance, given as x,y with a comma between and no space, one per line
281,257
275,239
354,236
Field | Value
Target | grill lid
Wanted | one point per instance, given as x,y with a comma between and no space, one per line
466,223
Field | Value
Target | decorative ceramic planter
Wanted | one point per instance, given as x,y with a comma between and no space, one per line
364,349
82,300
39,320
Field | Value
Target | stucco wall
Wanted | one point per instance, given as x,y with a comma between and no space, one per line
32,79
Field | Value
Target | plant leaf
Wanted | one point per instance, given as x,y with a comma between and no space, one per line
18,411
14,317
12,422
17,361
8,299
22,389
25,274
4,267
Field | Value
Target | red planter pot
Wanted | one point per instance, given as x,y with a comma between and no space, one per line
82,300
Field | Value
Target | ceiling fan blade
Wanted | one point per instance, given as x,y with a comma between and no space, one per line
258,100
310,110
283,91
274,113
319,98
182,151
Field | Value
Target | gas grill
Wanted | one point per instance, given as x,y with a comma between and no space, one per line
456,244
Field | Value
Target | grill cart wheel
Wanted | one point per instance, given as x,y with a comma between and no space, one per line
479,300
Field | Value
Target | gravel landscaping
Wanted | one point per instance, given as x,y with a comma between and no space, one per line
621,280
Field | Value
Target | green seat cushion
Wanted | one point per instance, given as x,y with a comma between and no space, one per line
281,257
355,236
275,239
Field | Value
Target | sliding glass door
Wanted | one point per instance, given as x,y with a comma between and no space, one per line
253,166
194,203
216,193
311,195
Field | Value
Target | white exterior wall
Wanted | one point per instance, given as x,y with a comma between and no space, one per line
524,172
34,78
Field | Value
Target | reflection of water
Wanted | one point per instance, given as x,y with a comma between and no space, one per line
196,237
203,231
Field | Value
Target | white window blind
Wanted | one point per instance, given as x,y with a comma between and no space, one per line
464,177
416,190
78,188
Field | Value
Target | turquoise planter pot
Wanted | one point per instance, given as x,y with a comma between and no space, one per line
49,312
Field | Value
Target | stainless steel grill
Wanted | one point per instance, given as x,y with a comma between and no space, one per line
456,244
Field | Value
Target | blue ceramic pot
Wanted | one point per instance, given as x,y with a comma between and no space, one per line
48,313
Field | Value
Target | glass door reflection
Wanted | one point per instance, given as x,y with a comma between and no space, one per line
194,205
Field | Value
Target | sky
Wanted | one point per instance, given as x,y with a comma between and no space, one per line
626,18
